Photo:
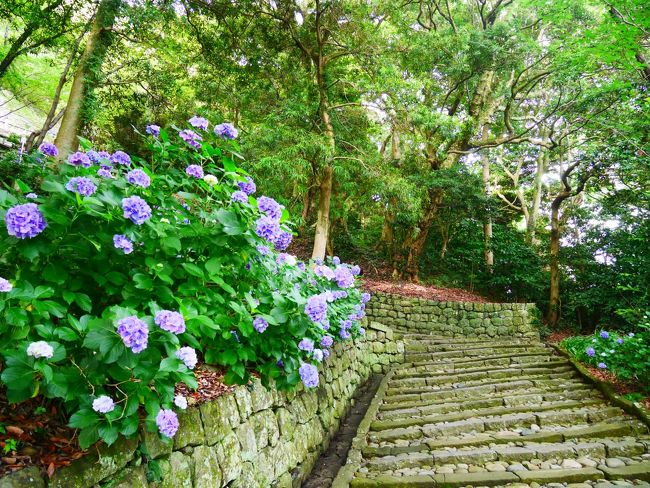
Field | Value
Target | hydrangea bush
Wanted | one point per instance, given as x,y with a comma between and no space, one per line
119,274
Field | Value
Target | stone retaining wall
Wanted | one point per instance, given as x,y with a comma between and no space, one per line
251,438
454,319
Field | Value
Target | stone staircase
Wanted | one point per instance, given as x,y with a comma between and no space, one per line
484,412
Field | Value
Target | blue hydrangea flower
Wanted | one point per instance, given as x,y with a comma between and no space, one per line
344,334
120,157
192,138
602,365
301,266
122,242
134,333
104,173
327,341
79,159
170,321
199,122
247,186
194,170
591,352
48,149
263,250
81,185
93,156
308,375
316,308
365,297
336,260
239,196
105,158
139,178
306,345
326,353
103,404
31,196
619,341
167,422
343,276
270,207
604,335
282,240
226,131
346,324
136,209
267,228
324,271
153,129
356,270
25,221
259,324
188,356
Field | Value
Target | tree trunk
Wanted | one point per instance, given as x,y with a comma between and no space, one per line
554,295
323,216
86,77
533,215
488,253
15,49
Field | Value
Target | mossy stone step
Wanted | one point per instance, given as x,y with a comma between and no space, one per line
461,353
505,364
639,471
560,475
531,353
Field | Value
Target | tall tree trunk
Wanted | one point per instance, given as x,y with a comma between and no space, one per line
488,253
554,294
86,76
533,215
15,49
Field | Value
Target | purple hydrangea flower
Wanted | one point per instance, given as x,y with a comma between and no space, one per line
81,185
170,321
239,196
5,286
122,242
267,228
316,308
343,276
105,158
590,352
136,209
48,149
194,170
326,353
602,365
103,404
356,270
120,157
263,250
619,341
327,341
317,355
344,334
139,178
336,260
346,324
308,375
134,333
270,207
79,159
376,197
40,349
192,138
93,156
365,297
301,266
282,240
325,324
188,356
259,324
199,122
324,271
226,131
306,345
362,331
153,130
247,186
167,422
604,335
105,173
24,221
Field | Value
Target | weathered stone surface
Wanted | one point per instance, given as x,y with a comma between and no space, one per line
190,431
180,472
207,471
133,478
561,475
222,415
29,477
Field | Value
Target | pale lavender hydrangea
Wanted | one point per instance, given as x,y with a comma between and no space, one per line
267,228
263,250
194,170
167,422
40,349
134,333
104,173
326,353
31,196
270,207
122,242
103,404
365,297
604,335
199,122
79,159
317,354
306,345
344,334
48,149
324,271
24,221
346,324
619,341
120,157
362,331
226,131
336,260
631,334
139,178
282,240
93,156
170,321
343,276
192,138
153,130
308,375
356,270
239,196
136,209
602,365
301,266
105,158
81,185
180,401
5,286
316,308
259,324
188,356
247,186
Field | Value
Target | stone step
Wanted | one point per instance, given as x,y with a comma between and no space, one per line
461,341
461,353
505,362
472,387
432,347
535,395
639,471
540,355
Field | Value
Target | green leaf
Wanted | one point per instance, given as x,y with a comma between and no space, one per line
83,418
173,243
142,281
108,433
194,270
83,301
230,222
88,436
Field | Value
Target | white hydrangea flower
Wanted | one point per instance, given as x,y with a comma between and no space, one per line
40,349
210,179
180,401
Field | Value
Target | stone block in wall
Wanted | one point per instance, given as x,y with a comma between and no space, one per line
154,445
282,459
222,415
207,472
261,398
132,478
93,468
247,441
228,455
243,400
265,427
29,477
178,472
190,431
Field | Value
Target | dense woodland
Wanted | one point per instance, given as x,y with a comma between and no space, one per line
497,145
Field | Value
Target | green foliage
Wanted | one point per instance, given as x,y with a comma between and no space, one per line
198,254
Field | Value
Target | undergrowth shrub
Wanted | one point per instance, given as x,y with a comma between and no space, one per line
119,273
